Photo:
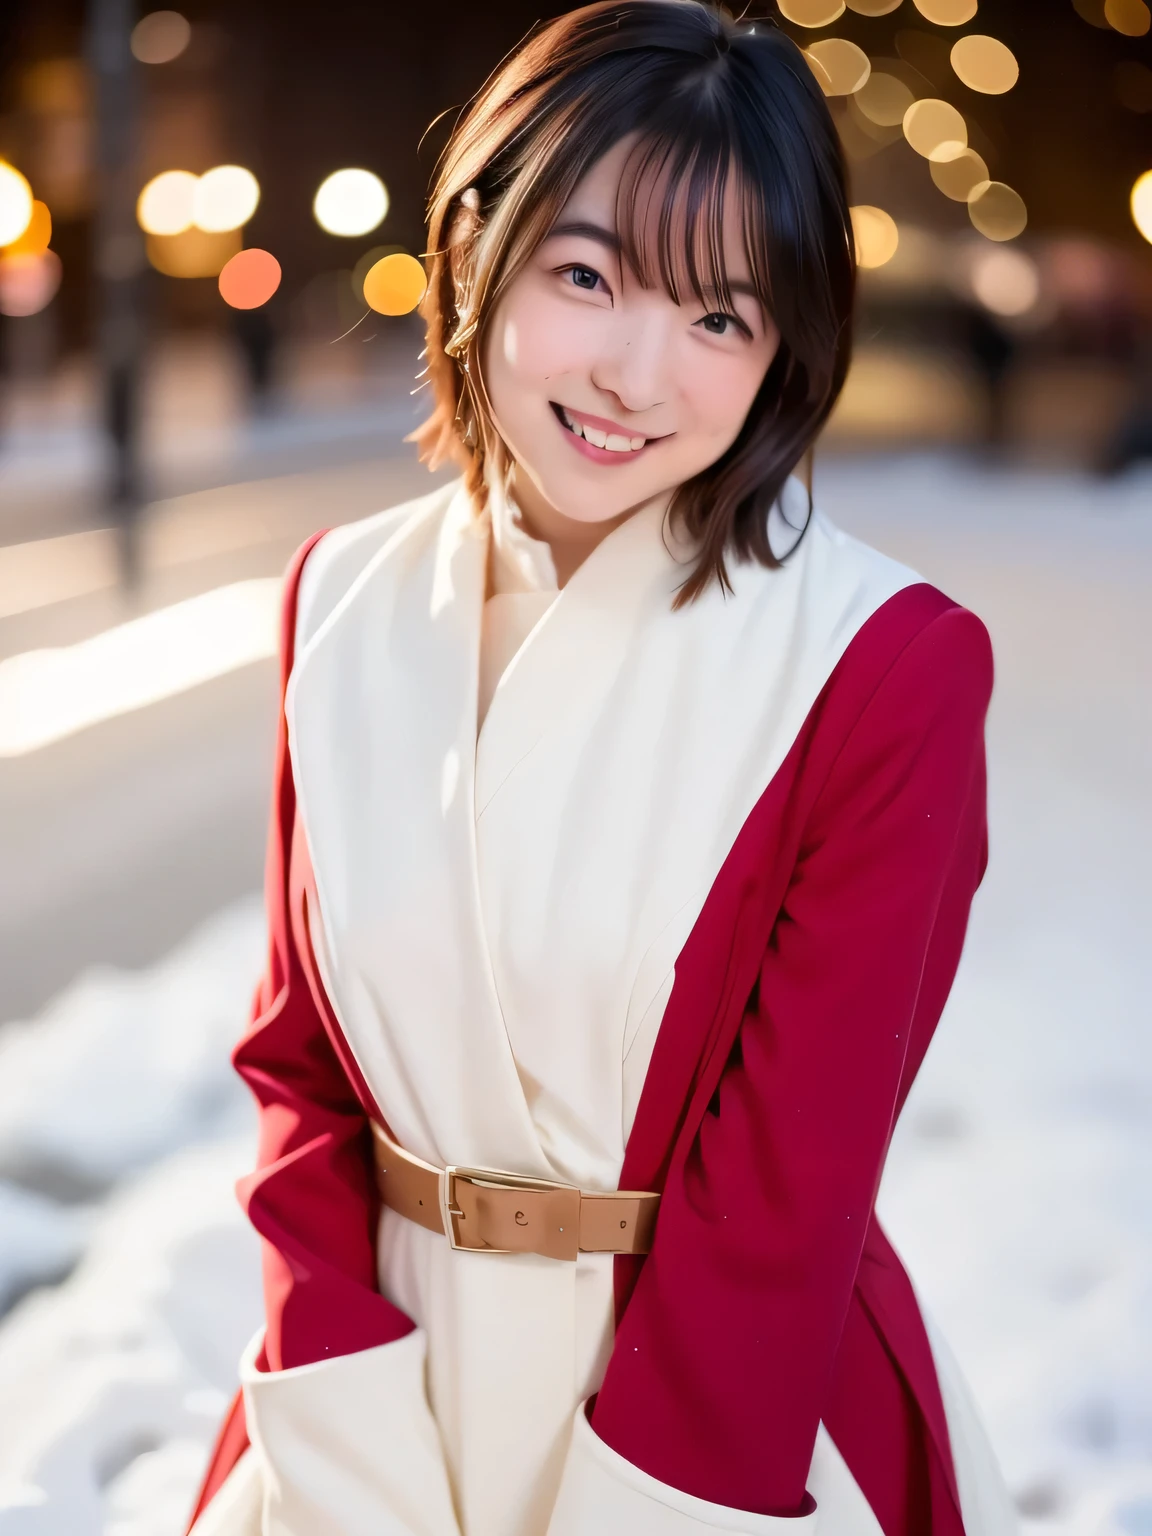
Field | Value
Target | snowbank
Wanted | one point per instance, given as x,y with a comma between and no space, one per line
114,1385
120,1069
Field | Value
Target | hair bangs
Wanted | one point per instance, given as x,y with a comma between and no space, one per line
680,188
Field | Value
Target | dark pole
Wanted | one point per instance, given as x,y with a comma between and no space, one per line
119,260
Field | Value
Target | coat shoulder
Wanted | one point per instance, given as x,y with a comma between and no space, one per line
331,567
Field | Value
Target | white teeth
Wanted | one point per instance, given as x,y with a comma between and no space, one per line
613,441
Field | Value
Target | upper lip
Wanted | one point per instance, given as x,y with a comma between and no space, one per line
602,424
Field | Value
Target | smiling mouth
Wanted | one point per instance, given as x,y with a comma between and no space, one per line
610,442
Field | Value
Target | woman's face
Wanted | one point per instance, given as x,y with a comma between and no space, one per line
610,395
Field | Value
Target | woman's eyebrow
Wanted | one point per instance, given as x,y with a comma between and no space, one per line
605,237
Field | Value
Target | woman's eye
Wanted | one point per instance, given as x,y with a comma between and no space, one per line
717,324
584,277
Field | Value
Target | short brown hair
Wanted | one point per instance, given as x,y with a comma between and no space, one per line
707,96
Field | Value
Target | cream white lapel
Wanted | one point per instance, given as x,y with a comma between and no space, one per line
382,720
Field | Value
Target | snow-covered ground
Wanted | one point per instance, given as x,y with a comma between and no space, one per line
1020,1184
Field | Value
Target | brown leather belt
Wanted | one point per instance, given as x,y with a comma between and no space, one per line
484,1210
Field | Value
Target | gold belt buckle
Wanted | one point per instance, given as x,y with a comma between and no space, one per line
488,1211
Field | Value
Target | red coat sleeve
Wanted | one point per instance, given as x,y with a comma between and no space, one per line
724,1357
312,1196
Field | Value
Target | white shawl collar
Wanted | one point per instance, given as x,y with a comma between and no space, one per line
382,727
502,917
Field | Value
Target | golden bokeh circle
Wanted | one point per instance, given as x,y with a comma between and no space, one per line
1141,205
193,252
947,13
875,234
1131,17
884,99
960,175
845,66
811,13
37,233
395,285
874,7
985,64
935,129
997,211
822,77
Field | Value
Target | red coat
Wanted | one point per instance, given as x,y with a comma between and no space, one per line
804,1001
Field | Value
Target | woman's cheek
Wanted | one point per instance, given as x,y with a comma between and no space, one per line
725,397
554,338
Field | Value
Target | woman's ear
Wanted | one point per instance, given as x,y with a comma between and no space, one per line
462,235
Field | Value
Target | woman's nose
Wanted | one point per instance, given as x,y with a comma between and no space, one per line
633,362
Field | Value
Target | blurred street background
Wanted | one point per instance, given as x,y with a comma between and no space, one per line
207,351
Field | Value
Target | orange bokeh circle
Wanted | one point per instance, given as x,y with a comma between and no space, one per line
249,279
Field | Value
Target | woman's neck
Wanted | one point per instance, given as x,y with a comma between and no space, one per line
569,539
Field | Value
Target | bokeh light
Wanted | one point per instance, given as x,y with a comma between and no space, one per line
874,7
166,206
883,99
249,279
935,129
1091,11
1006,282
224,198
395,285
193,252
37,233
997,211
819,73
1133,85
15,203
846,67
1141,205
364,265
1131,17
28,284
959,175
985,64
947,13
350,202
876,235
160,37
811,13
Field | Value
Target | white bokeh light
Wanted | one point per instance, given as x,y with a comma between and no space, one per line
224,198
166,205
1141,205
350,202
1006,282
15,203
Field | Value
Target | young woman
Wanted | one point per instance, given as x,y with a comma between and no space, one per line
626,823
